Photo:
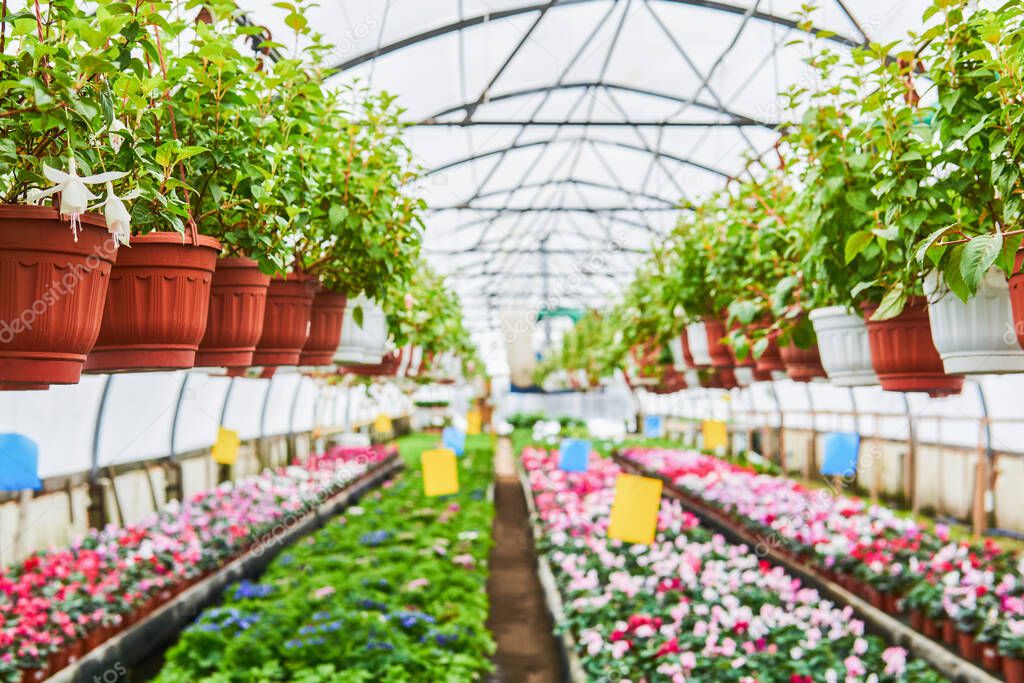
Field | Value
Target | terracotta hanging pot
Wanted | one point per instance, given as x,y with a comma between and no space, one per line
771,359
802,365
286,323
903,355
721,354
52,292
718,378
748,361
1017,296
324,329
238,297
157,304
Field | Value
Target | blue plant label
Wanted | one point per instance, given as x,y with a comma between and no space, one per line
653,428
573,455
841,450
454,439
19,463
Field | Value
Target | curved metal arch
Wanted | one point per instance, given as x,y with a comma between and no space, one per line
526,92
554,4
563,181
578,138
610,216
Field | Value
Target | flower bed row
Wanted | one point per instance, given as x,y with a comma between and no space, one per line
59,604
690,606
970,595
394,590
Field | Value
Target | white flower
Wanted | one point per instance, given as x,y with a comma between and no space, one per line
119,221
74,195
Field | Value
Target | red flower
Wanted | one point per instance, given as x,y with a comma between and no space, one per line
669,647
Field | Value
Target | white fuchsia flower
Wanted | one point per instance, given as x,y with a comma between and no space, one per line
74,195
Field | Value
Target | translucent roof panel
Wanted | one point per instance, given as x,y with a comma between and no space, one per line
549,130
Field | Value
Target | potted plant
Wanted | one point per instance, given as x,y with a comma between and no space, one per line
222,98
971,60
60,138
363,233
1011,647
861,245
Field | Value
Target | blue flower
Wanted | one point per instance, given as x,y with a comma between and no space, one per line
248,589
375,645
373,605
292,644
374,538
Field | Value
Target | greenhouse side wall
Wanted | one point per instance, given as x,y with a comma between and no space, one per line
130,443
921,452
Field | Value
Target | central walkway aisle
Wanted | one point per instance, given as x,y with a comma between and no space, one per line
527,650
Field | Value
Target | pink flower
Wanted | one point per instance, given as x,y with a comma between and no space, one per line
895,659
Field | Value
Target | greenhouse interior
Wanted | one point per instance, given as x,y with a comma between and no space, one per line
510,341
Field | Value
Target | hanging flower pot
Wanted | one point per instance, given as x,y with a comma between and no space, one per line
286,322
721,354
843,346
770,359
974,337
53,291
157,304
681,356
802,365
697,338
238,299
324,329
364,344
903,355
1017,296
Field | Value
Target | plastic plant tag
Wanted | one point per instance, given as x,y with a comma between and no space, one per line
474,422
653,428
454,439
573,455
841,450
19,463
382,424
440,472
225,450
635,509
716,434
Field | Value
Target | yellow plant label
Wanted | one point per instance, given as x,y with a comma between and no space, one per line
440,472
635,509
716,434
225,449
382,424
474,422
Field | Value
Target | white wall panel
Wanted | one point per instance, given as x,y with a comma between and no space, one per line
304,415
246,406
61,421
137,417
283,388
200,413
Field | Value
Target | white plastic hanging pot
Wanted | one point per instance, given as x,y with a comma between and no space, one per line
675,345
692,378
976,337
363,344
375,338
843,346
744,375
697,335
